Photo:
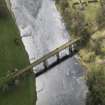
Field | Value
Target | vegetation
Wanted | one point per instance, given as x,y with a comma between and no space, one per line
86,19
12,57
96,84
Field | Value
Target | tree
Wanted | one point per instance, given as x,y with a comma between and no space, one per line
78,23
102,2
100,19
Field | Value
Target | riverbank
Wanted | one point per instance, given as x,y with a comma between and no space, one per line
87,18
78,17
13,56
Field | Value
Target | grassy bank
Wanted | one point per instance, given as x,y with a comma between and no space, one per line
88,17
13,56
80,15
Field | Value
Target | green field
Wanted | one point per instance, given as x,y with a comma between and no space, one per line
13,56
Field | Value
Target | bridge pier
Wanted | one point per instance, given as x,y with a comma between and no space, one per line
58,57
45,64
70,51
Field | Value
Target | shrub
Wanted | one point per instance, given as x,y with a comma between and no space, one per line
96,86
89,57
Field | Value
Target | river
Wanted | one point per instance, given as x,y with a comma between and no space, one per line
42,30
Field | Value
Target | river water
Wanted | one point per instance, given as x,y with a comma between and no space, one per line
42,30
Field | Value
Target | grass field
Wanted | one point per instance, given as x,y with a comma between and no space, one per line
12,56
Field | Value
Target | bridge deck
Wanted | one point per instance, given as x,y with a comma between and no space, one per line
43,60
